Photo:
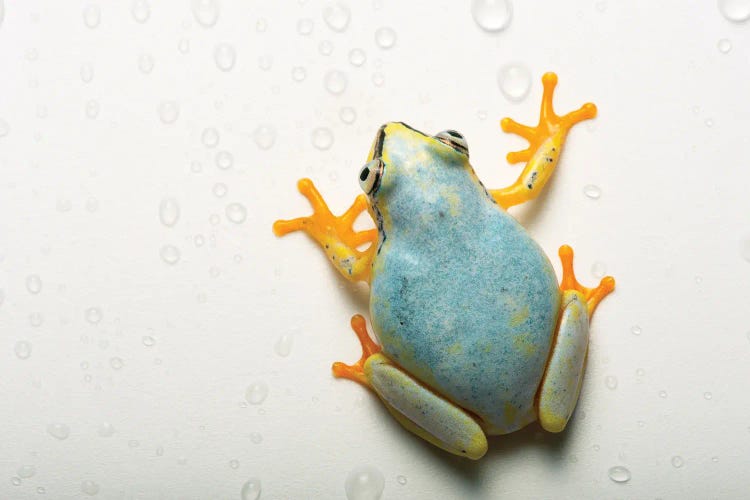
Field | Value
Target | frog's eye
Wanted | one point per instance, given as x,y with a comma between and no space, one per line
369,176
454,140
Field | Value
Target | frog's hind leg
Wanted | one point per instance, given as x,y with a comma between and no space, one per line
558,392
416,407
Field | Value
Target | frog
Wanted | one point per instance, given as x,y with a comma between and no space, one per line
475,336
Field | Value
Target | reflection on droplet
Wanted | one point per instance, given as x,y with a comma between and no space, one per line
635,330
385,37
284,345
170,254
514,81
92,15
336,16
299,73
224,160
492,15
256,393
141,11
735,10
619,474
357,57
116,363
236,212
145,63
225,56
210,137
87,72
106,430
251,489
93,315
335,82
26,471
90,488
322,138
347,115
264,136
22,349
58,431
206,12
169,211
305,26
592,192
677,461
169,111
234,464
33,283
610,382
724,46
364,483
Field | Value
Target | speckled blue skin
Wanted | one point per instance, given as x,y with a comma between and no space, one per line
461,297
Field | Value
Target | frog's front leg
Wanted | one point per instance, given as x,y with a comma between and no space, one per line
562,379
416,407
546,142
336,235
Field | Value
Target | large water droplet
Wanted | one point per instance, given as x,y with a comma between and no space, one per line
322,138
357,57
169,111
106,430
26,471
93,315
224,160
619,474
58,431
145,63
364,483
169,211
592,192
90,488
385,37
337,16
170,254
92,15
206,12
264,136
724,46
284,345
677,461
210,137
256,393
347,115
610,382
514,81
735,10
492,15
141,11
251,489
335,82
305,26
33,283
87,72
225,56
22,349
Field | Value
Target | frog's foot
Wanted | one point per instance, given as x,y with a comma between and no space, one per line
356,372
546,142
591,296
336,235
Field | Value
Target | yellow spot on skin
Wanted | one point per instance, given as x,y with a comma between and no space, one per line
522,343
455,349
520,316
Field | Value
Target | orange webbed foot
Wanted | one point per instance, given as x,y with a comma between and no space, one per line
569,282
355,372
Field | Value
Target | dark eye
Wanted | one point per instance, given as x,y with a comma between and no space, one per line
454,140
369,176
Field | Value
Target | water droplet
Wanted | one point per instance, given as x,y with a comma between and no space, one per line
41,490
251,489
261,26
169,111
224,160
337,16
210,137
234,464
305,26
256,437
640,372
206,12
264,136
401,480
106,430
92,109
256,393
116,363
225,56
357,57
170,254
148,340
58,431
378,79
619,474
199,240
724,46
610,382
714,459
236,212
93,315
635,330
492,15
591,191
26,471
90,488
514,81
92,205
87,72
159,451
214,219
4,128
347,115
598,270
663,394
33,283
677,461
36,319
16,481
22,349
141,11
707,395
601,6
284,345
265,62
364,483
299,73
92,15
325,48
335,82
708,122
735,10
145,63
322,138
220,189
169,212
385,37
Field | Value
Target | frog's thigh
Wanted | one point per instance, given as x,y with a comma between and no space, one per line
561,384
423,412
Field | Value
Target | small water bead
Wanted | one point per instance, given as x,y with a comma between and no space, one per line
305,26
206,12
234,464
601,6
265,62
106,430
640,372
199,240
92,109
183,46
26,471
724,46
116,363
256,437
225,56
378,79
90,488
635,330
299,73
15,481
610,382
492,15
22,349
236,212
58,431
41,490
264,136
364,483
514,81
737,11
677,461
337,16
261,26
159,451
401,480
335,82
284,345
715,459
224,160
93,315
385,37
251,489
141,11
220,189
4,128
169,212
36,319
322,138
592,192
708,122
145,63
148,340
256,393
92,205
598,270
707,395
33,283
619,474
92,16
663,394
169,111
170,254
214,219
87,72
210,137
347,115
325,48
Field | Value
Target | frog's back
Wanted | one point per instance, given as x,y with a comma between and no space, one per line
467,302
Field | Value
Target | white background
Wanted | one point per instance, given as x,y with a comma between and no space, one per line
79,207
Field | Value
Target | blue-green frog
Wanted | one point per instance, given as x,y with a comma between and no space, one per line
475,335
